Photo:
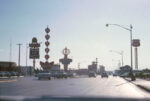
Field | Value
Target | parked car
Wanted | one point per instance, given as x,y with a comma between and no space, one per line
104,74
2,74
7,74
13,73
92,74
44,74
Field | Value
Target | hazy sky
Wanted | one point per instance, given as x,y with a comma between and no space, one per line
79,25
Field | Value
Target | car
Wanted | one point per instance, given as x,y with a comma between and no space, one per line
104,74
18,74
13,73
7,74
36,75
44,74
71,74
92,74
60,74
2,74
55,74
114,74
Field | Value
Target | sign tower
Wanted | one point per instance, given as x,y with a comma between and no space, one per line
65,61
34,50
47,65
136,43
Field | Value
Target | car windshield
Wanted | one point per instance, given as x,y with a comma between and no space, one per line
75,48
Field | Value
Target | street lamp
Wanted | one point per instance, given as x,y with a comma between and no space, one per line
129,29
120,53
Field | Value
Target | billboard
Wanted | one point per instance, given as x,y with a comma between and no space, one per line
34,53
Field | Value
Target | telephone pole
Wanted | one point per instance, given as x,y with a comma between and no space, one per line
27,47
19,56
10,54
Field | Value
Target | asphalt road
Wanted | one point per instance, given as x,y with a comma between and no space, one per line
81,86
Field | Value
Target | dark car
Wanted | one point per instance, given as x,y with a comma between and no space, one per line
7,74
2,74
70,74
114,74
104,75
60,74
13,73
92,74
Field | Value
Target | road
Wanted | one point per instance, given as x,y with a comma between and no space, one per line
81,86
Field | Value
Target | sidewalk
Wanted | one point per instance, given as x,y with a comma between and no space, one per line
144,84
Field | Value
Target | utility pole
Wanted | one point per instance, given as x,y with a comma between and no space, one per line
96,64
96,61
10,54
27,54
79,66
19,57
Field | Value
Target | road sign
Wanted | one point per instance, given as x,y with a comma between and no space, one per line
34,53
136,42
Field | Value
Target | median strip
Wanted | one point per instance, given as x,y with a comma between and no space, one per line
2,81
140,85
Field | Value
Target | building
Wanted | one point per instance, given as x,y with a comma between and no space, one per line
102,69
93,67
7,66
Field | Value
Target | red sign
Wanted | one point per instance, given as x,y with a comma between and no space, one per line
34,45
136,42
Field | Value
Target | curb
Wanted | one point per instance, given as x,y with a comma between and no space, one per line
143,87
140,86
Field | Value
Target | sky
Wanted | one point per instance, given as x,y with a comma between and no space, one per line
78,25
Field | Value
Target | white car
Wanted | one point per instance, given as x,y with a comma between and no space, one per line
44,74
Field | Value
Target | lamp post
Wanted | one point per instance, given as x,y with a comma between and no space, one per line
129,29
120,53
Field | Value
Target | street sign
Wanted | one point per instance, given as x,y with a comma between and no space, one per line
136,42
34,53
